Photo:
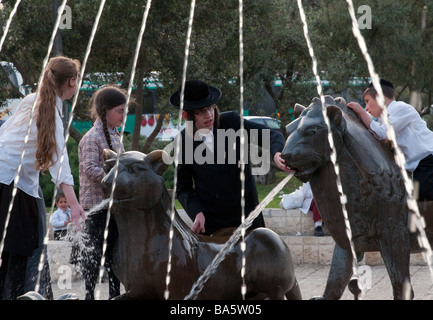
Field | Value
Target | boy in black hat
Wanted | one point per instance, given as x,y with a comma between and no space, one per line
413,137
210,191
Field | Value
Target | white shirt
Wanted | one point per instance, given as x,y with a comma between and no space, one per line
12,135
59,218
207,138
413,136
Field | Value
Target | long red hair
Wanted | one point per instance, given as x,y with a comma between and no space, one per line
57,73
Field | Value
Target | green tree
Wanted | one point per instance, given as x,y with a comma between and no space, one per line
399,43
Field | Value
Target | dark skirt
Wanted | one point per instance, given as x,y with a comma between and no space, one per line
22,230
423,174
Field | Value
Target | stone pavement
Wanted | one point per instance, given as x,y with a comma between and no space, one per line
312,280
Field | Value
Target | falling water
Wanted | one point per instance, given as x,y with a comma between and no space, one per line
343,198
79,238
74,234
242,151
8,23
116,167
177,148
415,220
83,69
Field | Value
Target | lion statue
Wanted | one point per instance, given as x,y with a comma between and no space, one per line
373,184
142,209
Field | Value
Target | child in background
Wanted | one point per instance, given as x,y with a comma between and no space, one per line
61,217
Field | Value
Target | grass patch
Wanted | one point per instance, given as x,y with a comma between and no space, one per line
264,190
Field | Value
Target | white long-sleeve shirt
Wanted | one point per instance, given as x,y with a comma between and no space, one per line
12,136
59,218
413,136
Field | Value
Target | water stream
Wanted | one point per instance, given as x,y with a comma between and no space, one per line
116,166
8,24
343,199
416,221
177,146
80,81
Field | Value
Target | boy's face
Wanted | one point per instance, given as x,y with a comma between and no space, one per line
62,203
203,118
371,106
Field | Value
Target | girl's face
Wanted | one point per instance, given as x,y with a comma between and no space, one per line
69,89
371,106
115,116
62,203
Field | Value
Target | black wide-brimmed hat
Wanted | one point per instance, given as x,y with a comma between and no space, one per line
383,83
197,95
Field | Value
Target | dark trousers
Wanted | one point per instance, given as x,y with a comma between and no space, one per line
423,174
91,256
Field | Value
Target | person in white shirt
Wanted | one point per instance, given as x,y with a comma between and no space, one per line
61,217
42,140
412,134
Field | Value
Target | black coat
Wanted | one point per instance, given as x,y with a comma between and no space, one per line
215,188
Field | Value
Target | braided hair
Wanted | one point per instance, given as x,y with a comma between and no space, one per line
106,98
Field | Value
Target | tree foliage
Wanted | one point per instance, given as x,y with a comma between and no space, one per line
274,46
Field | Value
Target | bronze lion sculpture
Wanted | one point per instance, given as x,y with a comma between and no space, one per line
142,209
372,182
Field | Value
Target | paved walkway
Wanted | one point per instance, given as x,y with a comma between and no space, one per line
312,280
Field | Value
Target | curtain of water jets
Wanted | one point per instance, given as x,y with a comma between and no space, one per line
242,137
246,223
177,147
188,41
17,176
116,170
343,198
82,73
415,220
